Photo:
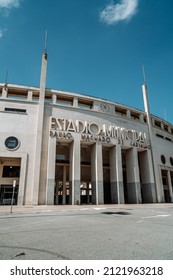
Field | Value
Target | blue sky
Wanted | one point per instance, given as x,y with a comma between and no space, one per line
95,47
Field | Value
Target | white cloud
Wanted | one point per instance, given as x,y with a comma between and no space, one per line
2,32
114,13
8,4
5,7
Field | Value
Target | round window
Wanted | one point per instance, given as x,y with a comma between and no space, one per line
11,143
171,161
163,159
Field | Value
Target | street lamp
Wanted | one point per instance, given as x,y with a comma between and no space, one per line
12,199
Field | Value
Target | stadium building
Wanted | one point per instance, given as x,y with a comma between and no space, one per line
60,147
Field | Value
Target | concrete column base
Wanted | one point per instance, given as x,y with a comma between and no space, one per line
97,174
148,193
117,192
134,192
50,191
75,171
76,192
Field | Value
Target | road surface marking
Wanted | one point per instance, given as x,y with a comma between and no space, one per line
151,217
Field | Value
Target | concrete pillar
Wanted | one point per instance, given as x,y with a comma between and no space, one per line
162,126
22,180
128,114
147,177
141,117
133,180
75,171
51,161
39,132
153,121
30,93
54,98
64,185
97,174
170,186
116,175
169,129
4,92
75,101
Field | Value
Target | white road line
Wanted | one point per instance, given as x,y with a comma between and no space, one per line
151,217
33,223
156,216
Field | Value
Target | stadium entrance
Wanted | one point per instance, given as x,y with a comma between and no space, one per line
9,171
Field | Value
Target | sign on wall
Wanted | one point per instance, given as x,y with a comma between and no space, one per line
62,128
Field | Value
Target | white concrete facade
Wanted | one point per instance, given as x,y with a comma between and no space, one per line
66,148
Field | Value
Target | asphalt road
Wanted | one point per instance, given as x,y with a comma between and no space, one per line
88,233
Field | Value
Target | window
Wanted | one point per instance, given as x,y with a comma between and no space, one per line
17,94
135,115
65,101
62,158
11,143
157,123
163,159
84,104
48,98
15,110
121,111
145,119
168,139
11,171
166,127
35,96
171,161
159,135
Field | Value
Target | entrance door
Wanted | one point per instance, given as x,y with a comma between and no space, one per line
86,193
166,186
107,193
9,171
6,193
61,193
106,175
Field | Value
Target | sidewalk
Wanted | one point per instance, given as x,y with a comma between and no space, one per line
5,210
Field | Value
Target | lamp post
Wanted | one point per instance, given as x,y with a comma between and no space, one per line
12,199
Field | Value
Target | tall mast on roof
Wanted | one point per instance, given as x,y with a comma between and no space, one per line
159,198
39,133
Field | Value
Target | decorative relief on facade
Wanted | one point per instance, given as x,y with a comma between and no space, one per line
104,107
